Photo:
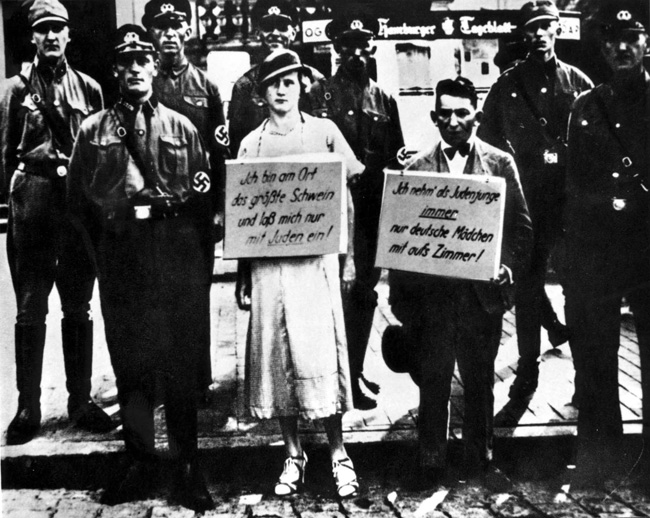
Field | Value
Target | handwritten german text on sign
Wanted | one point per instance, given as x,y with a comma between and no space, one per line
285,206
442,224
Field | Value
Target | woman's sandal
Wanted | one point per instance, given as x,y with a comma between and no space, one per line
345,477
292,477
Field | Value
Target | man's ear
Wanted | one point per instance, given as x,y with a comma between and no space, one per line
114,70
479,116
434,116
188,31
156,65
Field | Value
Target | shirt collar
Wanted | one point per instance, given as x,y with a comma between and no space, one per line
129,108
48,72
176,70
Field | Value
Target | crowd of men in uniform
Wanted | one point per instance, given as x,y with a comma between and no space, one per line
133,195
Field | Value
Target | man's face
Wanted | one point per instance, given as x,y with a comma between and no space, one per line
170,36
355,54
276,33
51,40
541,35
455,118
283,94
624,50
135,73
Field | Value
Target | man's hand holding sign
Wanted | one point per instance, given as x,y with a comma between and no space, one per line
454,231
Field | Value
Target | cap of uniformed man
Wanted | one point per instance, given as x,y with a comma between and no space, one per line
156,10
621,17
42,11
353,25
279,63
538,10
133,39
269,14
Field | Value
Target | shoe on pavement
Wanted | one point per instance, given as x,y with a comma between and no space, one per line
24,426
292,477
347,485
88,416
189,488
360,400
523,387
137,484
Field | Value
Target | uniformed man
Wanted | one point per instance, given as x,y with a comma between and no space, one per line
526,113
608,241
41,109
275,20
139,183
184,88
368,118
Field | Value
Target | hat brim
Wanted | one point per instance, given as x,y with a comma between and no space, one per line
278,17
128,49
549,17
281,72
46,19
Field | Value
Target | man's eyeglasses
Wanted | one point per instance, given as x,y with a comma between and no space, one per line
269,24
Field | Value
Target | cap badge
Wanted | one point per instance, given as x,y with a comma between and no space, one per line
274,11
131,37
623,16
166,8
356,25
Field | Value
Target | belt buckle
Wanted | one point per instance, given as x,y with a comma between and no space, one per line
142,211
550,157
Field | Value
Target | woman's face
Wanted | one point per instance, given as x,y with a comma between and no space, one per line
283,93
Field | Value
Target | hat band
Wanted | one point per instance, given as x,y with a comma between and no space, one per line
180,14
60,19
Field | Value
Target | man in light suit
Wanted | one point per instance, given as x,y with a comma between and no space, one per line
452,319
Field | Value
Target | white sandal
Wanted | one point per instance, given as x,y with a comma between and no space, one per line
292,477
345,477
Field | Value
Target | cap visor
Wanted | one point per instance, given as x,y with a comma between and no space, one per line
541,17
58,19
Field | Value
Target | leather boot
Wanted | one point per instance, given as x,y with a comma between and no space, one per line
77,338
525,383
189,487
29,343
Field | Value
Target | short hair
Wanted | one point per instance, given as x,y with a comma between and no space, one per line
458,87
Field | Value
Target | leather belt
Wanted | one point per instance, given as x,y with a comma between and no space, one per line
45,170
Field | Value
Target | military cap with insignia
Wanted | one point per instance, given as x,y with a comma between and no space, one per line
268,14
538,10
619,17
42,11
155,10
131,38
354,24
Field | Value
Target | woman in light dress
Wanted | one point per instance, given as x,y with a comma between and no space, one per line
297,358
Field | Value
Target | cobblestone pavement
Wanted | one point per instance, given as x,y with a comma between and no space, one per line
241,480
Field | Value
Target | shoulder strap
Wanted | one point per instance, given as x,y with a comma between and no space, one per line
626,160
127,138
60,132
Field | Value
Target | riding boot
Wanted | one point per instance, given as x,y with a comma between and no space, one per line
189,488
77,338
29,343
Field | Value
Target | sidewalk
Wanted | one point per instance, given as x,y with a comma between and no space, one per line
242,457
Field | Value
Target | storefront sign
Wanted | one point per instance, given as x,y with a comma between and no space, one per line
449,24
289,206
442,224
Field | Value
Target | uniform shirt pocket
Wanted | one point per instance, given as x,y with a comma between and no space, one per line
173,155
